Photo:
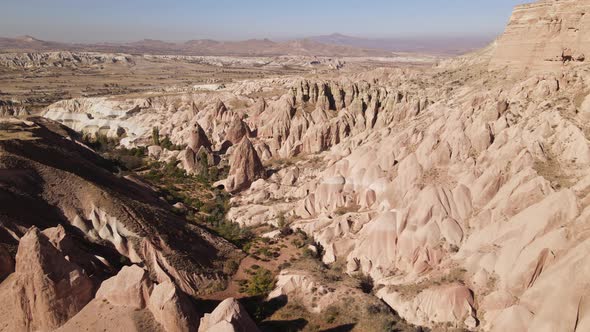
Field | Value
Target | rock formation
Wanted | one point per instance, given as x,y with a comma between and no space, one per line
197,157
45,290
172,309
131,287
60,59
10,108
245,167
229,316
450,304
131,298
545,36
198,139
71,185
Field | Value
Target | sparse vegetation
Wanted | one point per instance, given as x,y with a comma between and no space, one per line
260,284
110,148
207,206
364,313
553,172
365,283
100,142
156,136
346,209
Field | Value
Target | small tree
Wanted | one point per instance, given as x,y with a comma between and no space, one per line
261,283
166,143
283,224
156,135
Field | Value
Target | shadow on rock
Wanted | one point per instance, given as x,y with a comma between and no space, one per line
283,325
341,328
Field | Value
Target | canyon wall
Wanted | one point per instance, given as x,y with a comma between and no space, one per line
545,36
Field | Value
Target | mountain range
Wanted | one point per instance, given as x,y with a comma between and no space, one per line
328,45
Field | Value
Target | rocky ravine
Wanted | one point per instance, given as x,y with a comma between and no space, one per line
68,224
463,190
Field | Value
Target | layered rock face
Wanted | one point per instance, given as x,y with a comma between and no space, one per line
545,36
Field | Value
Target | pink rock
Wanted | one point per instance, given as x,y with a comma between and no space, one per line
172,309
130,287
245,167
45,290
229,316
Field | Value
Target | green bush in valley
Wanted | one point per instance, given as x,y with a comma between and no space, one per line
261,283
166,143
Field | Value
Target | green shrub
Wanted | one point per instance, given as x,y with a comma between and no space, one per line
100,143
156,136
230,267
261,283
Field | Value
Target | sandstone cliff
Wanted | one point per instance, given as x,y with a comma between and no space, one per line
545,36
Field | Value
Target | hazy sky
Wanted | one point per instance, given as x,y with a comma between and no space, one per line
177,20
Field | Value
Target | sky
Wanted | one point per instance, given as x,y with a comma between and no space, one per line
181,20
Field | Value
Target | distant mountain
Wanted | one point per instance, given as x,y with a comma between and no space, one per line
252,47
26,43
446,45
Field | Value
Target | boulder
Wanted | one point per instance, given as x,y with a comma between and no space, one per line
155,151
172,309
229,316
130,287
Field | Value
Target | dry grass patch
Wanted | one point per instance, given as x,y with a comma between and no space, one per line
347,209
351,313
16,130
553,172
409,291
